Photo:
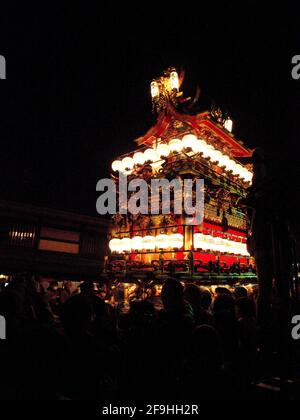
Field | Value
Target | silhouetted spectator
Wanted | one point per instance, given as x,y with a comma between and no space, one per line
203,375
192,294
206,299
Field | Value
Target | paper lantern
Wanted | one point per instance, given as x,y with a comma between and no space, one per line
115,245
117,165
198,240
151,155
216,156
197,148
163,150
148,242
154,89
176,240
228,124
174,80
207,151
137,243
175,145
162,241
128,163
125,244
189,141
139,158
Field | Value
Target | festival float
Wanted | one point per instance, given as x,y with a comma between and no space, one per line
184,144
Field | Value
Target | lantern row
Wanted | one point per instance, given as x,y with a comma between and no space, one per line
189,143
175,241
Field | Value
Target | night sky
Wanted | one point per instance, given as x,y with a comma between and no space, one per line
77,88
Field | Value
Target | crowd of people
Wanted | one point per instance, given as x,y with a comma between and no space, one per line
79,347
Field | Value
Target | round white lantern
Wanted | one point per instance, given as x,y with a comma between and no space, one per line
115,245
137,243
197,148
163,150
175,145
208,151
176,240
139,158
117,165
148,242
198,240
128,163
151,155
229,164
216,156
125,244
202,145
189,141
162,241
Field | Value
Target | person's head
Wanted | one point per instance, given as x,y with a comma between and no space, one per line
172,295
87,287
224,303
103,290
206,298
240,291
223,291
69,286
244,308
192,295
44,283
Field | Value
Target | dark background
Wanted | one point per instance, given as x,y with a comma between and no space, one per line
77,88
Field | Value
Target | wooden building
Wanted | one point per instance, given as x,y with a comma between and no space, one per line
50,243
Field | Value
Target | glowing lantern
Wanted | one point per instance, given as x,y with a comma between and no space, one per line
174,81
208,151
239,170
175,145
148,242
189,141
137,243
163,150
216,156
125,244
154,89
202,145
228,124
176,240
229,165
127,163
115,245
226,162
248,175
221,244
198,240
151,155
197,146
139,158
117,165
162,241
